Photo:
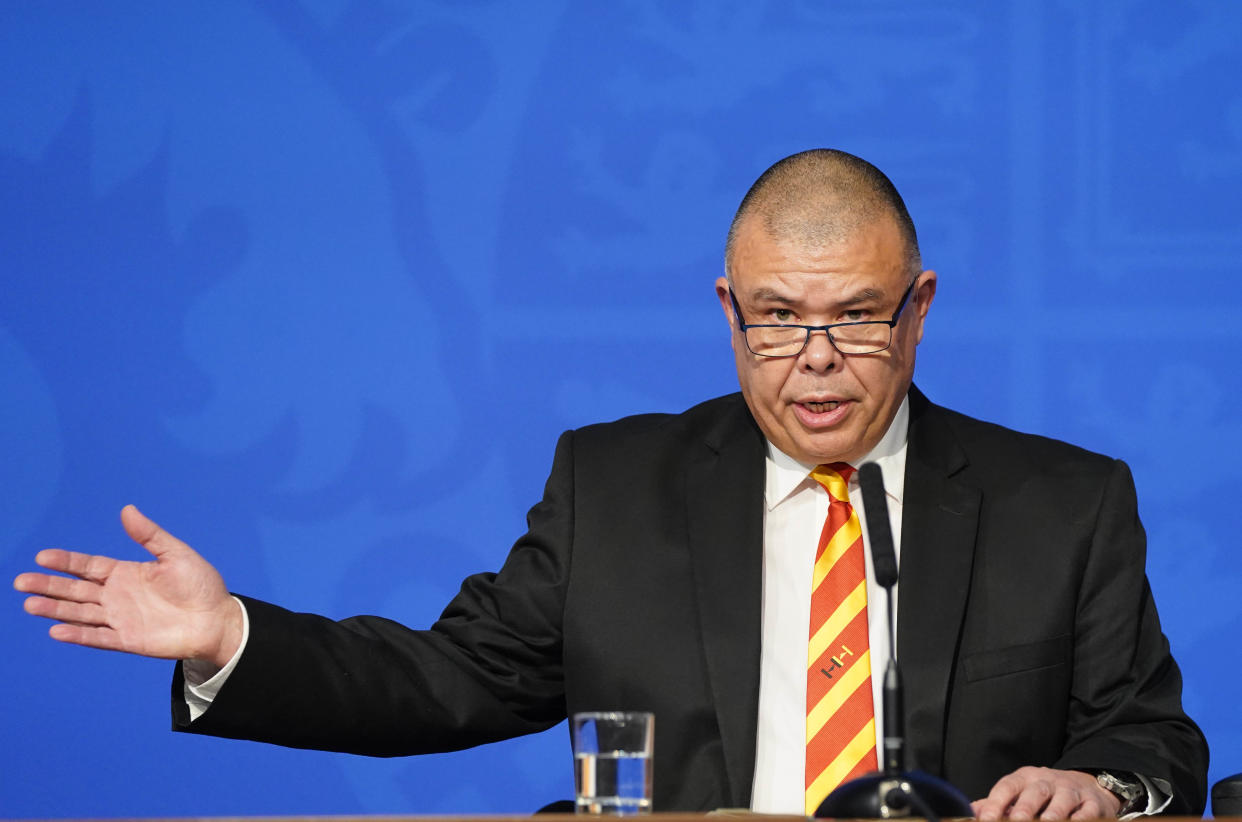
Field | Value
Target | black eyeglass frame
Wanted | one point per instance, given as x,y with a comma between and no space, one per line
827,329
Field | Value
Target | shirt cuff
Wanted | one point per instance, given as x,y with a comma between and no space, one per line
1159,795
203,680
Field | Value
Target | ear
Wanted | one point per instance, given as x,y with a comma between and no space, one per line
924,293
726,304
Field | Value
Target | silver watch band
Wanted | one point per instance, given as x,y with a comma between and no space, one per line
1127,788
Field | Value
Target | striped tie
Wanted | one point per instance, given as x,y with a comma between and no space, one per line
840,718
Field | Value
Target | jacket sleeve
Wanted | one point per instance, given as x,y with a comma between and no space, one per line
1125,709
490,668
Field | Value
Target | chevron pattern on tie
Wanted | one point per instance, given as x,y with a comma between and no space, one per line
840,716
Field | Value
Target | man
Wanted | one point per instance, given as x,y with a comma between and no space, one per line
679,564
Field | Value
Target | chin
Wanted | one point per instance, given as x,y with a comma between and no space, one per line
821,455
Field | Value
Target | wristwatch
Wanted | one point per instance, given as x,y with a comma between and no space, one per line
1126,787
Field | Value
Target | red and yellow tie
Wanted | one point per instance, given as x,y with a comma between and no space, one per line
840,717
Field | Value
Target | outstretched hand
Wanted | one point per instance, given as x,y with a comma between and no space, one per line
173,607
1046,793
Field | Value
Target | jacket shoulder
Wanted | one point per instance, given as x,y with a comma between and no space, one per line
993,447
707,420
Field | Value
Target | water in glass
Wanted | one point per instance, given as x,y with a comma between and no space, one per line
613,783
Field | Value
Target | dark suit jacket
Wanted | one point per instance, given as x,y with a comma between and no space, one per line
1026,628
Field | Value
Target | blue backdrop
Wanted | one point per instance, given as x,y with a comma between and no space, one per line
308,280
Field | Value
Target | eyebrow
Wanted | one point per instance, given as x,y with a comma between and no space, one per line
772,296
866,295
768,295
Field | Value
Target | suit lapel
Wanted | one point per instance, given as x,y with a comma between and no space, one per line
724,492
939,523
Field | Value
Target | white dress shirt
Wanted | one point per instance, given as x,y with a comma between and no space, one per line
795,507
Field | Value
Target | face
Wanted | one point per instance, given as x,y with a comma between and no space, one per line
822,406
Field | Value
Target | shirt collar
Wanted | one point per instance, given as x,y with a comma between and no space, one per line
785,474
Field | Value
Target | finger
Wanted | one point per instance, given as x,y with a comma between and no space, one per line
991,808
90,636
84,566
58,587
83,613
1091,808
1034,798
1065,800
147,534
987,810
30,582
997,802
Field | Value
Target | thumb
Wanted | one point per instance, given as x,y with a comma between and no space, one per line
147,534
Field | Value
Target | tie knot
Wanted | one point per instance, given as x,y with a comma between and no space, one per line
835,478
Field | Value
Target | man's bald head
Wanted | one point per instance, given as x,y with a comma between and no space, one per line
822,197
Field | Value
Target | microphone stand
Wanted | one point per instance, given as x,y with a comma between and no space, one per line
893,791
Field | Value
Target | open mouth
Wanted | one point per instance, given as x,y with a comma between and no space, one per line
819,414
821,407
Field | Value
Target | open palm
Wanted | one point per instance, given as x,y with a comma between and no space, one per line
174,607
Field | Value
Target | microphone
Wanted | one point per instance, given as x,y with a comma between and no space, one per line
875,503
893,791
884,565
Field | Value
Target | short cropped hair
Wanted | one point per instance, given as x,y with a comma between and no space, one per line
822,197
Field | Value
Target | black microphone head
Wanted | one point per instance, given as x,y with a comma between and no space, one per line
875,502
1227,796
870,472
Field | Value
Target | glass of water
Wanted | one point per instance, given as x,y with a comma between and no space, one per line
612,762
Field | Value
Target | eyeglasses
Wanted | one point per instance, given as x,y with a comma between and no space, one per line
865,337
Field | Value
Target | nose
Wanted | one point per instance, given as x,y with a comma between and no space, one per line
820,355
